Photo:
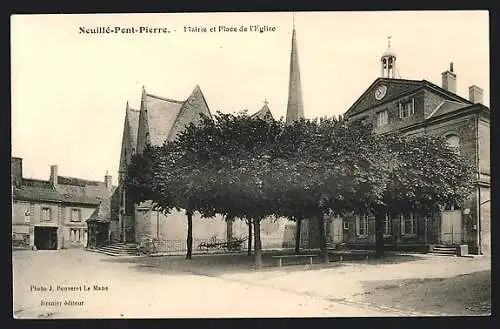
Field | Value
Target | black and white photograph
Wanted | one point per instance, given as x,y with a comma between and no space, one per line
251,165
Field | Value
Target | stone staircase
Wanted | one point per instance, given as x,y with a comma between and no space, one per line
443,250
118,249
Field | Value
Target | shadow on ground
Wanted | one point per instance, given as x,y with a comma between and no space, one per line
218,264
466,294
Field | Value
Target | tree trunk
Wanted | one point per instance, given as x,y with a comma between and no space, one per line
189,240
229,228
249,237
379,234
322,239
298,223
258,245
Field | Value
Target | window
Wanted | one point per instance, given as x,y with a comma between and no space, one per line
362,225
382,118
387,225
46,215
27,214
408,224
77,235
75,215
406,109
453,142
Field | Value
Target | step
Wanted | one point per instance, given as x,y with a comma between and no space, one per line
453,250
443,254
119,248
111,253
118,252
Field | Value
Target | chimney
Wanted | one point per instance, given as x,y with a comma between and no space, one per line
475,94
449,80
108,181
16,171
53,175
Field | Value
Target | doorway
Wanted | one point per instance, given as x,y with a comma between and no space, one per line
337,230
451,227
45,238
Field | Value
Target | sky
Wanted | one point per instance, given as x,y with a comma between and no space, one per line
69,89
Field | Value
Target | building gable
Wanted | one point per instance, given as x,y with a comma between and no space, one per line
191,112
390,89
129,137
264,114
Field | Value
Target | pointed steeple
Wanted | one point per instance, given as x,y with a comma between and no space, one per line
295,108
143,99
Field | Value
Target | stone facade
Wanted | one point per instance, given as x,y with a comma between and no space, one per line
438,112
52,214
161,119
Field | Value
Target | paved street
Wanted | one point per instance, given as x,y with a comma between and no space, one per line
150,287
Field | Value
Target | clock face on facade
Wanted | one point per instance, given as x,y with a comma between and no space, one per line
380,92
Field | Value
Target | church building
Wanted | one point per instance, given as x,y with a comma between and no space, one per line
161,119
391,103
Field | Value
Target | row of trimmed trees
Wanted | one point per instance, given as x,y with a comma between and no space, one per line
247,168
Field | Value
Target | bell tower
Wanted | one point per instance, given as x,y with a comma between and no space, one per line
388,62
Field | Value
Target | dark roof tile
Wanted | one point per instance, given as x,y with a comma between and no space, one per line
161,116
264,113
36,194
133,123
448,107
108,208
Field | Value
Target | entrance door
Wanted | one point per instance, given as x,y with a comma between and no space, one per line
45,238
451,227
337,230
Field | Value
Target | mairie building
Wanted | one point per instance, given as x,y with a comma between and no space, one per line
419,107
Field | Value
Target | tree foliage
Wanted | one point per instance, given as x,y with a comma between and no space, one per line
239,166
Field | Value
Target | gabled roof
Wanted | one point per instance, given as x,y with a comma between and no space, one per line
108,208
129,136
446,107
36,193
81,190
191,112
395,89
161,116
133,125
264,113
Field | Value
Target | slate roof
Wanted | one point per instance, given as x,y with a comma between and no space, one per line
80,190
264,113
108,208
397,87
36,193
38,183
447,107
129,137
162,113
133,125
67,190
163,118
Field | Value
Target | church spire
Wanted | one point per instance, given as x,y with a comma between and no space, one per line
295,109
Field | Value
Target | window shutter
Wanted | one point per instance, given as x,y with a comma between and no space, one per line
400,110
357,225
402,224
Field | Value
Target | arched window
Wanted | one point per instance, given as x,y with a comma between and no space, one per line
454,142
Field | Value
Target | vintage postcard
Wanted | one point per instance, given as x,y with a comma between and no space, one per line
94,95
